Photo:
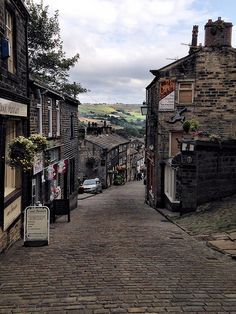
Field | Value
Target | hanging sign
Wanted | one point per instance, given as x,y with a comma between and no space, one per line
36,226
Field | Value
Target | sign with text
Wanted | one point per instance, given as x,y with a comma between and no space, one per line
36,226
12,108
167,95
167,103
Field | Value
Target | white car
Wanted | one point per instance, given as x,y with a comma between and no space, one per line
92,186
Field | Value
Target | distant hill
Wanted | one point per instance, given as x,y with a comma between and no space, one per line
120,116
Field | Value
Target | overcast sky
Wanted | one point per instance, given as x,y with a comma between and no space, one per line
120,41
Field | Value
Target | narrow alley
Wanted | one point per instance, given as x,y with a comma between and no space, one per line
117,255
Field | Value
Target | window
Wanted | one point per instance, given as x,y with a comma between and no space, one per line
11,174
72,126
72,175
58,117
39,113
10,38
49,117
185,93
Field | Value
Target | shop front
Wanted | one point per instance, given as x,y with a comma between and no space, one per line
13,119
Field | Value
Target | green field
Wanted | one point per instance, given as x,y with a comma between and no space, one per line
128,112
119,116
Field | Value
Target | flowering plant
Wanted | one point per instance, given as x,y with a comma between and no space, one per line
22,150
21,153
120,168
39,141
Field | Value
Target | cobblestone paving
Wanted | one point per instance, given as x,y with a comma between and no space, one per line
117,255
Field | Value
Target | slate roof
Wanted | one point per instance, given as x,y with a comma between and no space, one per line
107,141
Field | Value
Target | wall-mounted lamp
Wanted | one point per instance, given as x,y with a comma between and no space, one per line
144,110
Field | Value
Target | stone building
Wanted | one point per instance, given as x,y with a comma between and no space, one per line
14,102
102,153
199,87
55,172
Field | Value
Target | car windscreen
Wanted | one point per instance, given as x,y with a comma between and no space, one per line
89,182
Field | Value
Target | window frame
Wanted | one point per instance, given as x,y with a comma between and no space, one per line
49,101
185,89
11,174
58,117
40,112
11,38
72,126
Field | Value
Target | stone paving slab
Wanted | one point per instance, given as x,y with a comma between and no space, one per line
117,255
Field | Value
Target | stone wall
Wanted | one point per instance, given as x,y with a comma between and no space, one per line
11,235
208,173
15,83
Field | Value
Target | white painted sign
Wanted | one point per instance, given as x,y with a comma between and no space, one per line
167,103
12,108
11,212
36,225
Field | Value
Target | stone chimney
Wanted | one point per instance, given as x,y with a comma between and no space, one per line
193,46
218,33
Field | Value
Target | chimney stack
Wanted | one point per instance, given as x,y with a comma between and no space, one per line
218,33
194,39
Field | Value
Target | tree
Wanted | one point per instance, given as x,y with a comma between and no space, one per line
47,59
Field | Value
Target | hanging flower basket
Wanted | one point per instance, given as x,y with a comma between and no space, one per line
39,141
120,168
21,153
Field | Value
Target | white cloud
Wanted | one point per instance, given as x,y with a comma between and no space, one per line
119,41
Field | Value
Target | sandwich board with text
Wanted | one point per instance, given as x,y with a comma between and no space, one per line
36,226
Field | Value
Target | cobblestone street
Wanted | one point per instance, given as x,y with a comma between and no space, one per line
117,255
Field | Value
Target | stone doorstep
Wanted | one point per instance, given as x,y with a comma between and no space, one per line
224,246
232,236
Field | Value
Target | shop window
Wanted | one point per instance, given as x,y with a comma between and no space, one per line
185,93
10,38
12,176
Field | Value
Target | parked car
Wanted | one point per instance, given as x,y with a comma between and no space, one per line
92,186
